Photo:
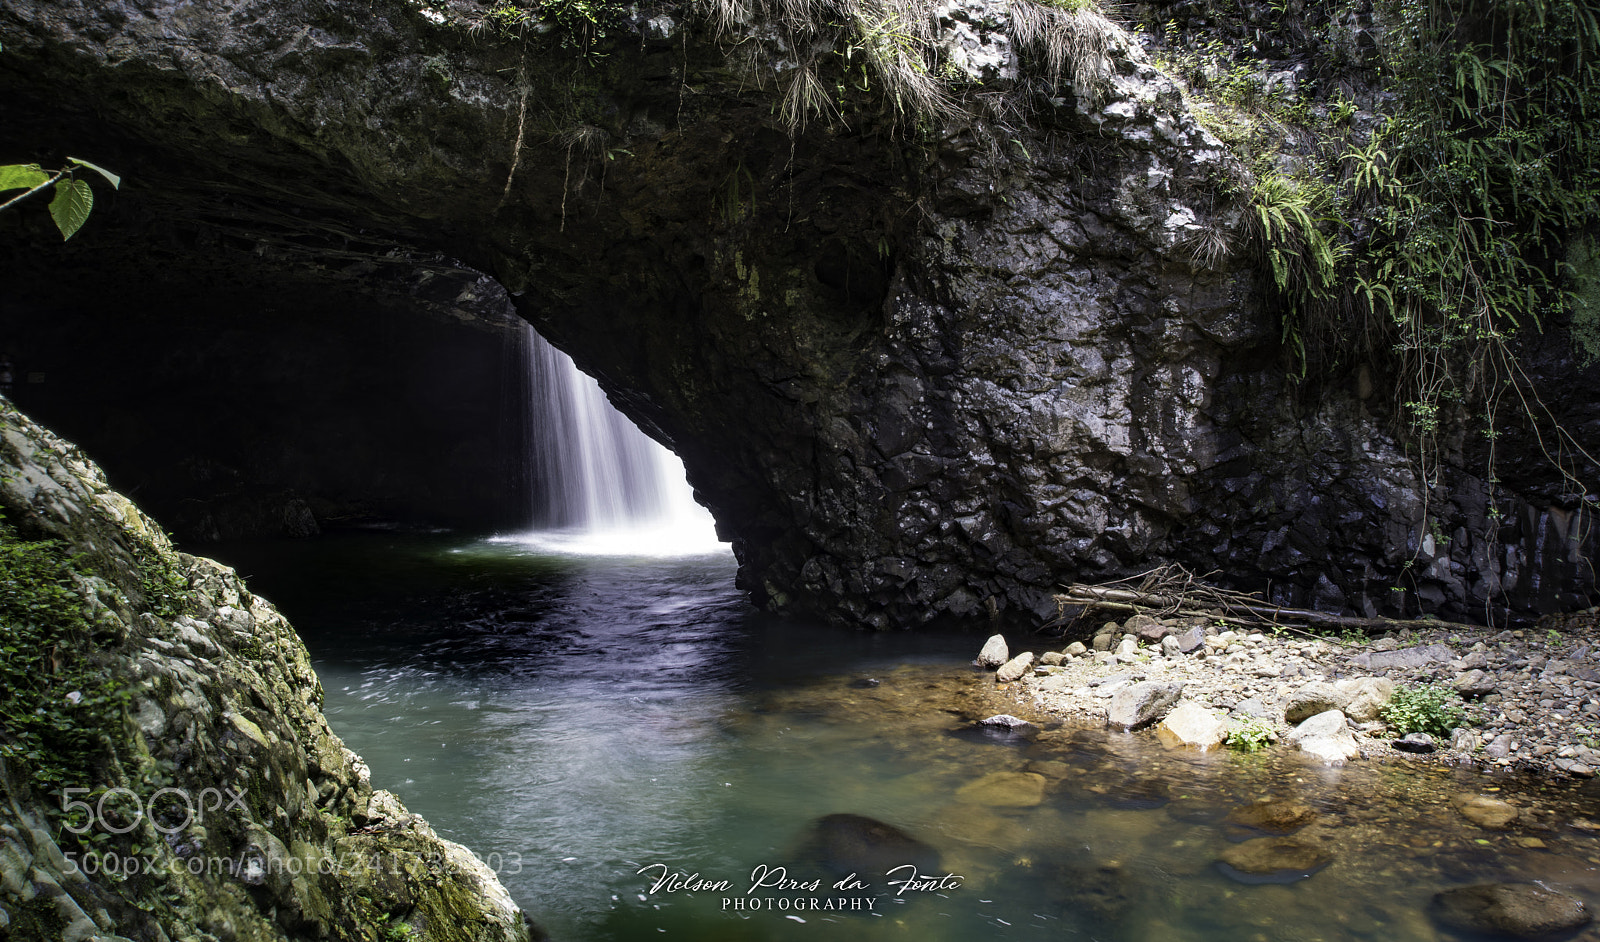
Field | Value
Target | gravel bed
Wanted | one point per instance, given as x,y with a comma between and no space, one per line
1532,696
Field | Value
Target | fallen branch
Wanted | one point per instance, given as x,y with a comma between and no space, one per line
1172,591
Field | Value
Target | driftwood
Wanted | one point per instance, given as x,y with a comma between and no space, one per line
1173,591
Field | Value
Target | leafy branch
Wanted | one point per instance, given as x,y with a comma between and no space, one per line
73,199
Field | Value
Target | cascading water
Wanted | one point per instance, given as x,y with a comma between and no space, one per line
600,485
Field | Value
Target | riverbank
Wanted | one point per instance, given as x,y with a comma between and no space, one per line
1532,697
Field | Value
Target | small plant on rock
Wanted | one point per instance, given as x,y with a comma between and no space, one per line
1249,734
1425,708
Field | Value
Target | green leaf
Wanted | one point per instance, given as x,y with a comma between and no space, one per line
22,177
71,205
115,180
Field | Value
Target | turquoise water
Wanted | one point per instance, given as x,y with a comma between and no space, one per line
576,721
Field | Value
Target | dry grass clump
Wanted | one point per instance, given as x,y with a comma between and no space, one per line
891,48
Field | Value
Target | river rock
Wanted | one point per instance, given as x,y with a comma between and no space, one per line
1169,647
1326,737
1420,743
1520,910
1004,790
1367,696
1101,897
1499,747
1192,640
1141,704
1015,668
1191,725
1147,628
1404,658
1475,683
1490,813
1076,649
1273,860
1251,706
994,653
1052,659
1274,815
1005,721
1127,647
1312,699
854,843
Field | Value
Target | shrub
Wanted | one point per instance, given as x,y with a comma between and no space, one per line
1250,734
1425,709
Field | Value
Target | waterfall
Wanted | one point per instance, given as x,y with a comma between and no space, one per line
599,485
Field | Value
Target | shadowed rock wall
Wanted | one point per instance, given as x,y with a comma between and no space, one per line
917,368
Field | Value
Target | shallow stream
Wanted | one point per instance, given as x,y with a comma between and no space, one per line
592,725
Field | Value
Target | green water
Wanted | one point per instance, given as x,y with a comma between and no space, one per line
576,721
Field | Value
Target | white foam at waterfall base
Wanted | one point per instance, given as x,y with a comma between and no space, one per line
601,486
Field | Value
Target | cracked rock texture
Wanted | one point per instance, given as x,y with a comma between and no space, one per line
916,371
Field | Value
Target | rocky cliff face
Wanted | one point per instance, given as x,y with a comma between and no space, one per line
165,770
917,367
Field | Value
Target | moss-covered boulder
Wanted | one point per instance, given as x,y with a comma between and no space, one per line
166,772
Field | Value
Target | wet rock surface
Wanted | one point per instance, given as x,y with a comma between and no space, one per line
1517,910
1273,860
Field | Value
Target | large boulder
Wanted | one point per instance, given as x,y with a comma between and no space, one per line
1313,698
1366,697
1327,738
1141,704
994,653
1191,725
221,700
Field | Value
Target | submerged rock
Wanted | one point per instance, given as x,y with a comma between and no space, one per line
1490,813
1101,897
1520,910
852,843
1275,815
1004,790
1273,860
